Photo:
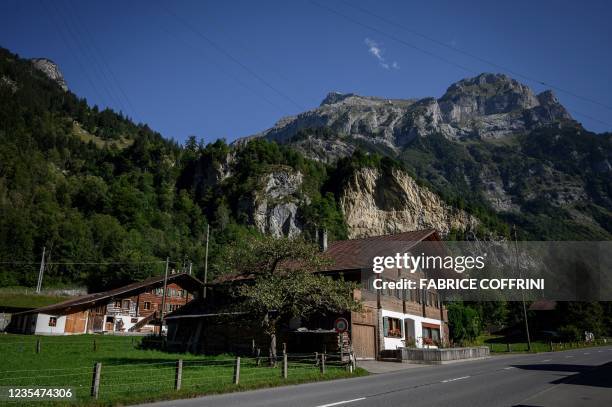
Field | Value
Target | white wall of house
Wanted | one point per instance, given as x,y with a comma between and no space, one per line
394,343
43,328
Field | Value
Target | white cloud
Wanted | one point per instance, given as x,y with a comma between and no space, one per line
374,48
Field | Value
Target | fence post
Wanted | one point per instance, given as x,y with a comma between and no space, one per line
323,363
178,377
284,365
551,347
95,382
257,358
508,347
316,358
237,370
37,345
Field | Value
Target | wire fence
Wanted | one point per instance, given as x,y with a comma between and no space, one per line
129,380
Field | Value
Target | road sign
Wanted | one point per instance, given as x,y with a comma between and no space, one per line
341,325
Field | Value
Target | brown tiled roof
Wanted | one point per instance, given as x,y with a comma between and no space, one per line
189,280
349,254
356,254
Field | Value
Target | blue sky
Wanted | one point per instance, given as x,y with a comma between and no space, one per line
233,68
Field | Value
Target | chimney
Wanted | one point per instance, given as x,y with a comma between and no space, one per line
322,237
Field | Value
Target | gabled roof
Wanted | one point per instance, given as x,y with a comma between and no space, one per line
356,254
185,280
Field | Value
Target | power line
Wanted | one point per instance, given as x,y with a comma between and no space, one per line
113,78
72,28
231,57
91,53
474,56
74,54
226,72
393,37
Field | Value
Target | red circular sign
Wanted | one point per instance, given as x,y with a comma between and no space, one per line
341,325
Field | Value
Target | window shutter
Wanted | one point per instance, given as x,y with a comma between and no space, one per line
386,326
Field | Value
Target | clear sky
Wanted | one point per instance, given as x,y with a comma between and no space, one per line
233,68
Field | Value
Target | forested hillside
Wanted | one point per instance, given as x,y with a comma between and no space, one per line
110,200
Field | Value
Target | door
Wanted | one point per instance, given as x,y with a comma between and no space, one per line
75,323
364,341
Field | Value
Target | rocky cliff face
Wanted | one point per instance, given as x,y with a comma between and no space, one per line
275,206
50,69
489,106
375,204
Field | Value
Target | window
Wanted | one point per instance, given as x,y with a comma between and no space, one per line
392,327
147,305
118,304
133,320
52,321
431,335
126,304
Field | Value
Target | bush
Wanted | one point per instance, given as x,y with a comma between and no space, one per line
570,333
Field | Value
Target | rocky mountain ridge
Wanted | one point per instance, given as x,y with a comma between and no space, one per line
486,107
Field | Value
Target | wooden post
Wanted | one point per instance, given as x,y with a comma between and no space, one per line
237,370
163,307
285,365
284,347
253,346
95,382
322,363
508,347
37,345
178,376
257,358
551,347
316,358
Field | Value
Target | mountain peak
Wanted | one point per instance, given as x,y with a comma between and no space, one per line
50,68
335,97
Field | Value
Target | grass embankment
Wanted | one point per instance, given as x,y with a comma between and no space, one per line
500,344
26,298
132,375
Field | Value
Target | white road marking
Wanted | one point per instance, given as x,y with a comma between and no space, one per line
586,353
568,357
455,379
509,367
546,360
337,403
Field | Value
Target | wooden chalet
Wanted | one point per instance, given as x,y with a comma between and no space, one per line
133,308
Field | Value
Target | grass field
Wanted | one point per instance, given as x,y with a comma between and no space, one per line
499,344
131,375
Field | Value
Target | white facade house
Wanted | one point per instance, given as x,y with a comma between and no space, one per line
411,329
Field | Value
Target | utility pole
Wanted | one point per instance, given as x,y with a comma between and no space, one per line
161,318
41,271
206,259
522,292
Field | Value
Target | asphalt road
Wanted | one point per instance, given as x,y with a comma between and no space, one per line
581,377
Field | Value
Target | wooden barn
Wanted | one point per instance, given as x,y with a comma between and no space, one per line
133,308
